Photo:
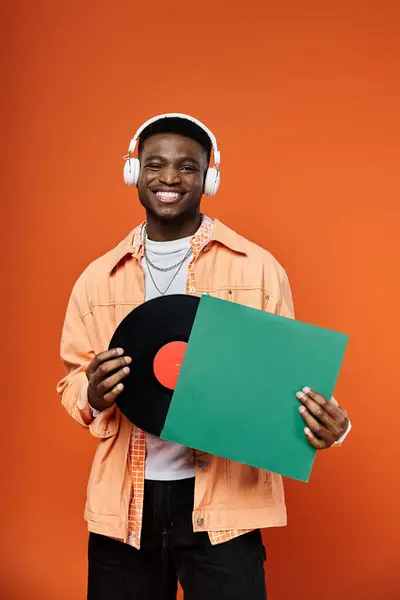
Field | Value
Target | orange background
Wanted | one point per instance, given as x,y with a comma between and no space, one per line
304,99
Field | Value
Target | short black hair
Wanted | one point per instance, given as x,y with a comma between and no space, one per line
179,126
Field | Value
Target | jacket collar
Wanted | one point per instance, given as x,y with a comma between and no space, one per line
227,237
220,233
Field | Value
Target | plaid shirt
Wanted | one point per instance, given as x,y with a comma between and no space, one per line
137,450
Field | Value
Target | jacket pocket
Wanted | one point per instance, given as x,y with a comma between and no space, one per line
253,297
271,302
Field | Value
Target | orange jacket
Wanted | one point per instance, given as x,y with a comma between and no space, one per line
228,495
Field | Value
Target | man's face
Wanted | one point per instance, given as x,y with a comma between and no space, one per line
171,180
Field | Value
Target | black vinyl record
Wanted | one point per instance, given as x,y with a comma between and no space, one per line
147,335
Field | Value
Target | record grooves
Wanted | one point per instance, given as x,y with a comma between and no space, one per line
148,335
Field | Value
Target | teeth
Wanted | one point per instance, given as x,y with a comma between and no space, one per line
168,195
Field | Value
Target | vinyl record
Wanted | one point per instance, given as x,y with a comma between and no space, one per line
154,335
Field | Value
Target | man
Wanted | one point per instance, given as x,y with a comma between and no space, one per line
158,512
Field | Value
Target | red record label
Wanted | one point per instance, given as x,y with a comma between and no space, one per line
168,362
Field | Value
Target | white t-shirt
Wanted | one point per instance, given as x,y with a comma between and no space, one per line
166,461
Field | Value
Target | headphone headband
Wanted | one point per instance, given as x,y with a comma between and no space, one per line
217,156
132,165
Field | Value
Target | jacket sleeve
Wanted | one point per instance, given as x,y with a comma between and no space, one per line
76,354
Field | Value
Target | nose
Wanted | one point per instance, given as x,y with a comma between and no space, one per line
170,176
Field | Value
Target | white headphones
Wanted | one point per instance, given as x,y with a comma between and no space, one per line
132,165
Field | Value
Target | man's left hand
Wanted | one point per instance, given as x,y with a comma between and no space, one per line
326,422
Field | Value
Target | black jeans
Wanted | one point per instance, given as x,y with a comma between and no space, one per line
171,551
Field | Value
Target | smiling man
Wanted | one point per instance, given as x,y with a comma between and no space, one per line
159,512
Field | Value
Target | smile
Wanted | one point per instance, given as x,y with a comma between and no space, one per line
165,196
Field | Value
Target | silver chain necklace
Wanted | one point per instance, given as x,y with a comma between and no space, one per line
162,293
163,270
177,266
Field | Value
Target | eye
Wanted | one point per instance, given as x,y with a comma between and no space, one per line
154,166
189,169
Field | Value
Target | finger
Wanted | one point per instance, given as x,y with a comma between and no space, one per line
319,413
319,430
334,411
106,368
338,413
114,393
315,442
110,382
102,357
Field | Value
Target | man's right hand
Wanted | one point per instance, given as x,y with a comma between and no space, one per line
105,374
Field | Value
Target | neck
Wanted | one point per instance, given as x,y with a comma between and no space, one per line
164,230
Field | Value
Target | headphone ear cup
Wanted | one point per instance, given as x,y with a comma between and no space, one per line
131,171
212,181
